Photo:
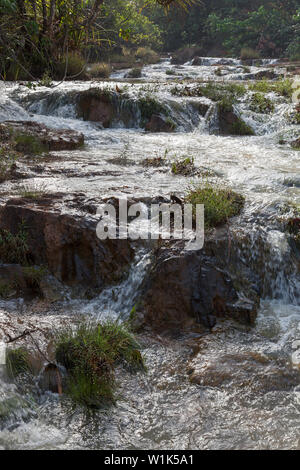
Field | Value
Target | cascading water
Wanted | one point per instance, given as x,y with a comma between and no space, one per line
252,407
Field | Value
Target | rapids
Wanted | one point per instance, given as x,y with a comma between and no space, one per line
251,408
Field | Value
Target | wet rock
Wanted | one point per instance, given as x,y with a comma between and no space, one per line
95,105
29,135
296,143
67,244
51,379
51,289
231,124
196,61
186,286
159,123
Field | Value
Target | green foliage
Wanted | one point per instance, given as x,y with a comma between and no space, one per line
282,87
147,55
249,53
220,204
90,354
73,65
135,73
101,70
239,127
184,167
148,106
6,289
29,144
17,362
261,104
13,247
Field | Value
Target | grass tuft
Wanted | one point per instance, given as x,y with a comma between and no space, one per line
90,354
220,204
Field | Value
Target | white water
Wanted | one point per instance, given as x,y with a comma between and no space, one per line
257,406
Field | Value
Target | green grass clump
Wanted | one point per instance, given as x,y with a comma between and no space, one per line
283,87
17,362
29,144
90,354
260,104
219,203
136,72
13,247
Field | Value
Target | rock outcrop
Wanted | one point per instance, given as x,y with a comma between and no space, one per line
188,286
67,244
29,135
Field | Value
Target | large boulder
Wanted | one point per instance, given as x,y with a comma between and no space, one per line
30,136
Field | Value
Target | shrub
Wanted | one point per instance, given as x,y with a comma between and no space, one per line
17,362
260,104
147,55
13,247
90,353
101,70
33,275
75,66
219,203
249,53
293,50
135,73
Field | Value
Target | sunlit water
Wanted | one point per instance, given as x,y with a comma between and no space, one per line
249,393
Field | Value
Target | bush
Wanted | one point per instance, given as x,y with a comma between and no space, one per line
249,53
101,70
90,353
147,55
219,204
260,104
135,73
75,67
293,50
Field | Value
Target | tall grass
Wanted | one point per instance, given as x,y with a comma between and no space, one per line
90,354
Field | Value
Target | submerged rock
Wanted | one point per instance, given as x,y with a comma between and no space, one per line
32,137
